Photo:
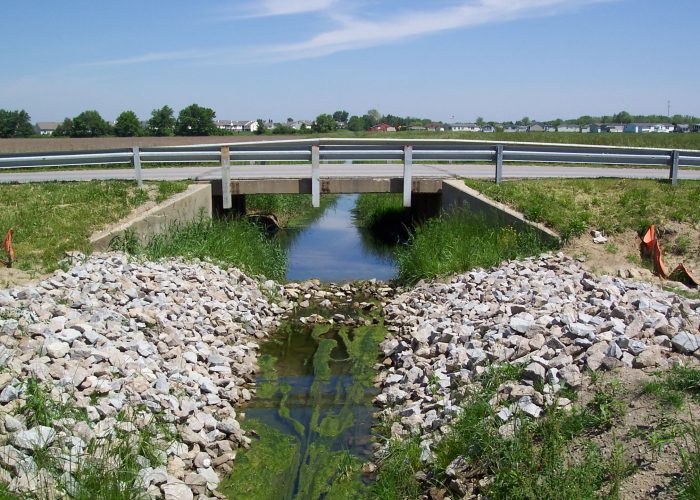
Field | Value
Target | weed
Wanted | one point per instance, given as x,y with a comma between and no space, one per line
41,409
681,245
689,487
672,386
127,242
611,248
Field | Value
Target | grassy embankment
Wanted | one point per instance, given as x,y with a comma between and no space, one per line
582,453
451,243
572,206
234,241
54,217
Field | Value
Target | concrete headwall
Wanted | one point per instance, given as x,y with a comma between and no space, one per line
190,205
456,194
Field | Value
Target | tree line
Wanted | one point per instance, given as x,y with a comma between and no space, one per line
195,120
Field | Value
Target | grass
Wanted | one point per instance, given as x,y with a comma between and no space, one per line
571,206
457,242
234,241
291,210
54,217
672,387
538,461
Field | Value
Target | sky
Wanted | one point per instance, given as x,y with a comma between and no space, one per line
448,60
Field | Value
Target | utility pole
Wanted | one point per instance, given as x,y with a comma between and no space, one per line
668,109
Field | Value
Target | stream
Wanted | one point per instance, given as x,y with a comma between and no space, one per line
310,422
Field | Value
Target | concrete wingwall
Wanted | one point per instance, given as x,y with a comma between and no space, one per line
190,205
456,194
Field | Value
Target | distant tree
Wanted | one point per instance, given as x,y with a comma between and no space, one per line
280,129
341,116
195,120
585,120
357,124
556,122
90,124
261,128
15,124
324,123
525,120
63,129
162,122
622,117
374,117
480,121
290,120
127,125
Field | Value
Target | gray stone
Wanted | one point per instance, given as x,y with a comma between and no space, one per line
36,437
686,343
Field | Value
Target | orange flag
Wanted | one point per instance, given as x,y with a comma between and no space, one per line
8,248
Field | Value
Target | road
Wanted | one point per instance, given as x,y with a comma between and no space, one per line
346,170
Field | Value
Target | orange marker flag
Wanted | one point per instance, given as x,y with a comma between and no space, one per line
8,248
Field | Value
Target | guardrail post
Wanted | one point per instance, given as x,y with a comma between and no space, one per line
675,161
315,176
407,174
136,162
499,163
226,177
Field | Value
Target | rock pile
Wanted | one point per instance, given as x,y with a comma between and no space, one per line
171,338
544,313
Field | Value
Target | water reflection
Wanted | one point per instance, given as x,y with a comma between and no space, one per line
334,249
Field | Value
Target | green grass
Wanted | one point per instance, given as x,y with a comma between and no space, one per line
457,242
291,210
234,241
540,460
571,206
672,387
54,217
689,485
384,216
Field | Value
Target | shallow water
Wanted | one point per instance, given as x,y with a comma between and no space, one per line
312,414
333,249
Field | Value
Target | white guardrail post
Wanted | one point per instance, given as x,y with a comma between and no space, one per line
675,160
315,176
499,163
136,162
226,177
407,181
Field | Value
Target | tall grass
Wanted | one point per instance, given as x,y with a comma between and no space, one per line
233,241
384,216
571,206
457,242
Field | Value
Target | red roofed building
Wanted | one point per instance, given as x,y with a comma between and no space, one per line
382,127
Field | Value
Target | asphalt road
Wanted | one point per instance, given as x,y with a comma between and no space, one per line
346,170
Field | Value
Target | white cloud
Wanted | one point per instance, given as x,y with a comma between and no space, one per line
354,33
268,8
149,57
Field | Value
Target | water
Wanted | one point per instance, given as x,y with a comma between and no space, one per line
312,414
333,249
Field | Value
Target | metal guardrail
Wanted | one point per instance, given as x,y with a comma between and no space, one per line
330,149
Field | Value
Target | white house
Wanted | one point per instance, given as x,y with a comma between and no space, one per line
646,128
46,128
615,128
464,127
564,127
488,129
237,125
301,124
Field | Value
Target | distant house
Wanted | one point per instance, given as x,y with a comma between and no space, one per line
46,128
301,124
382,127
568,128
536,127
510,128
615,128
463,127
646,128
695,127
237,125
682,128
488,129
417,128
596,128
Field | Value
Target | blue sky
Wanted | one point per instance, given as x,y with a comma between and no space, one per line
442,59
